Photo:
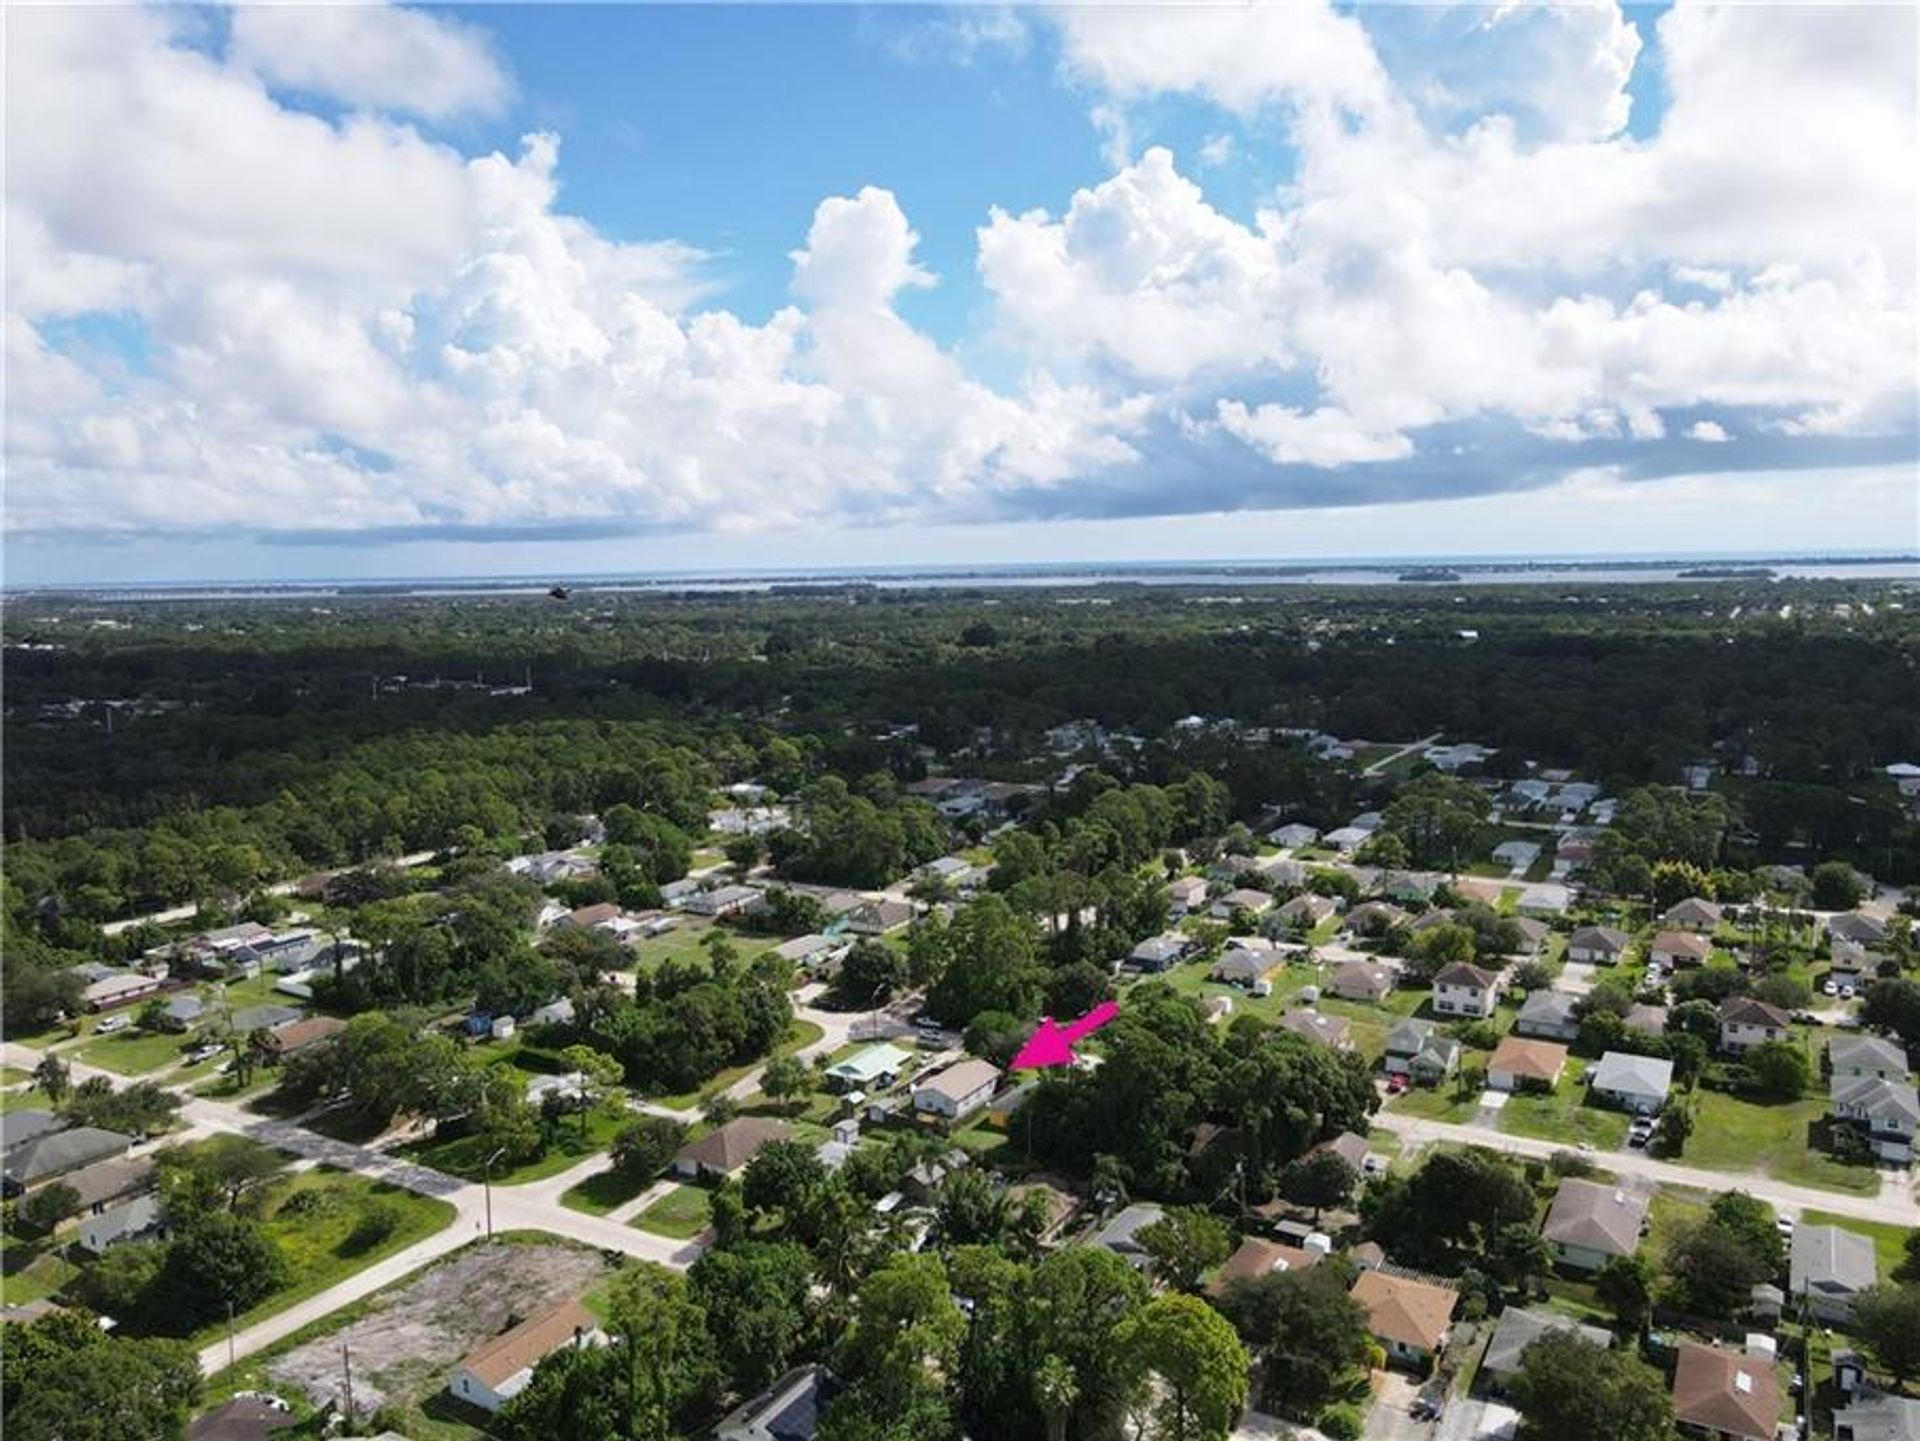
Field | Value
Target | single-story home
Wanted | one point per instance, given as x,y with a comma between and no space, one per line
1375,918
1851,1057
1253,902
958,1091
1362,981
1408,1318
1590,1223
1533,936
878,918
1462,989
1543,900
1292,837
1597,945
291,1039
1255,1257
98,1186
1156,953
813,952
137,1220
1874,1416
1519,1329
266,1017
1746,1022
498,1371
1857,926
120,989
1329,1031
1518,1064
19,1127
725,1150
1724,1394
875,1067
1346,839
1350,1147
1244,966
1306,911
1408,885
1121,1234
180,1012
721,900
1692,914
1647,1019
1633,1083
1828,1267
788,1410
1548,1014
55,1153
1674,949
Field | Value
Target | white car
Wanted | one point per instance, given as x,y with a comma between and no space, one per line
112,1024
1846,993
1784,1225
203,1053
1830,988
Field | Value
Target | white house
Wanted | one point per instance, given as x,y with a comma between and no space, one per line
1828,1268
1597,945
1465,990
1746,1022
958,1091
1294,836
500,1370
722,900
1851,1057
1889,1110
1633,1083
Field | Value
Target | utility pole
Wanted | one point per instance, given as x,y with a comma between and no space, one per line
230,1356
486,1186
346,1363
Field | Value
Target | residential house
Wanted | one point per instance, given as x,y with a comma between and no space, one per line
1246,966
873,1068
1850,962
788,1410
1647,1020
1284,874
1292,837
104,1182
1692,914
291,1039
725,1150
19,1127
182,1012
1545,899
1533,936
1408,1318
878,918
1518,1064
1632,1083
594,917
140,1219
1329,1031
1674,949
1871,1416
1725,1395
1519,1329
267,1017
814,953
1121,1234
958,1091
1549,1015
1597,945
1516,856
1186,893
1746,1022
1375,918
1362,981
953,871
1256,903
722,901
1350,1147
1851,1057
245,1418
1462,989
498,1371
1828,1267
1857,926
1416,1049
1156,953
1591,1222
54,1153
122,988
1408,885
1347,839
1306,911
1888,1110
1255,1257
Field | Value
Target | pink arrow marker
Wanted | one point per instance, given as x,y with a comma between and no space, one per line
1052,1045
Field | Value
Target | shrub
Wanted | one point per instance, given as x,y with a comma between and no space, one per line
1570,1163
1341,1423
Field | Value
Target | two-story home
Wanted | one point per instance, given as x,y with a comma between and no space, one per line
1889,1111
1186,893
1597,945
1746,1022
1416,1049
1852,1057
1462,989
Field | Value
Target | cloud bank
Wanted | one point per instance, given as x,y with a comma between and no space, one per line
252,287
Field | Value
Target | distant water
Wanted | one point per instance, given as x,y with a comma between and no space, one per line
1372,571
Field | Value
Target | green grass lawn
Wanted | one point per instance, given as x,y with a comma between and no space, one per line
31,1270
1731,1134
133,1052
683,1213
682,943
1889,1240
465,1156
13,1075
319,1241
1560,1116
1672,1208
799,1036
31,1099
600,1194
1436,1104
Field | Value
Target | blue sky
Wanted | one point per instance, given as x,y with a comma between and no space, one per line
356,292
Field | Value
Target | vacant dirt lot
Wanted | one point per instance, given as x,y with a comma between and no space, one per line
404,1348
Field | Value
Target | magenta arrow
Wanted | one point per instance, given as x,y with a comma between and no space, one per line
1052,1045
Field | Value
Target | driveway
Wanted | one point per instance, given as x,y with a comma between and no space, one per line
1468,1419
1576,978
1389,1420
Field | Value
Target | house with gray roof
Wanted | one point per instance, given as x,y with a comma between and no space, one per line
1121,1234
1518,1330
1852,1057
1592,1222
1888,1110
1632,1083
1548,1014
140,1219
1857,926
55,1153
19,1127
788,1410
1462,989
1416,1049
1598,945
1156,953
1874,1417
1828,1268
1647,1019
1692,914
264,1018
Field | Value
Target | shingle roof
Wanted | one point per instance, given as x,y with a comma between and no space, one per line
1826,1258
522,1348
1632,1075
1258,1257
1880,1418
19,1127
1726,1391
1877,1098
1328,1030
57,1152
1548,1008
1684,943
1596,1217
1867,1053
1749,1011
961,1079
1519,1329
1529,1060
727,1148
1460,973
1414,1313
1598,938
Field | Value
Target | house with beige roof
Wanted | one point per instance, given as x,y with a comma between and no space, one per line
958,1091
725,1150
1692,914
498,1371
1329,1031
1598,945
1408,1318
1362,981
1590,1223
1518,1064
1724,1394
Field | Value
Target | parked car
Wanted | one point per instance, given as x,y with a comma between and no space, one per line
1829,988
1784,1225
203,1053
1396,1083
112,1024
